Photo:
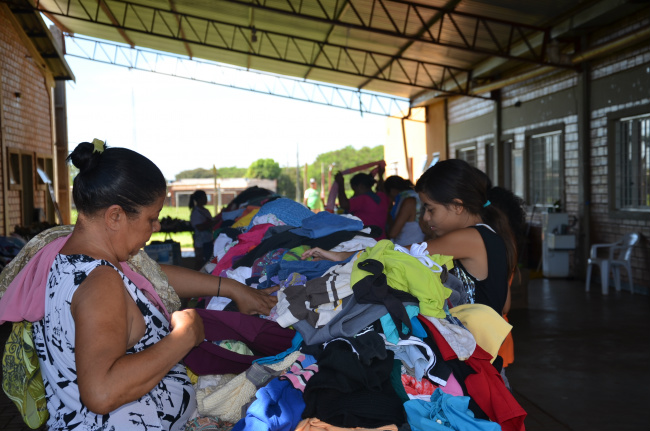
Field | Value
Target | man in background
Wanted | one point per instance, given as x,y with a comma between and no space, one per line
312,196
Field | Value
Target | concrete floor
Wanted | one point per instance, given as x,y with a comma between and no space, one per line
582,360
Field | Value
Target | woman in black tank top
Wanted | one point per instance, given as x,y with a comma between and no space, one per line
475,223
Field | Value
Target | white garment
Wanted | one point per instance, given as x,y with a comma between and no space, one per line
221,245
358,242
460,340
168,406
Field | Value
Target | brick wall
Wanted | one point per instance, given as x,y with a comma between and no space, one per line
617,82
27,119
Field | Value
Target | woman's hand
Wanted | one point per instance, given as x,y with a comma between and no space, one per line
189,324
339,179
255,301
318,253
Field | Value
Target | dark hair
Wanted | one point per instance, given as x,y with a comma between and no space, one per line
398,183
194,197
456,179
362,179
115,176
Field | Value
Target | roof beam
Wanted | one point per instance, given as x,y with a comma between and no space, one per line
345,5
566,26
239,78
270,45
407,18
423,30
172,6
110,16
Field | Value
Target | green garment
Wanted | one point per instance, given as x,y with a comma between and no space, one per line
313,198
406,273
22,380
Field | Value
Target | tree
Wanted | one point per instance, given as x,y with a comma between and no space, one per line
227,172
343,159
287,183
231,172
195,173
264,168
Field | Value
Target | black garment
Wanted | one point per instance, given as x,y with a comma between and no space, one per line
458,368
491,291
347,393
290,240
374,289
231,232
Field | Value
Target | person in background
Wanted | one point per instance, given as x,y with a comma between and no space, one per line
475,223
312,198
370,206
403,223
202,222
472,221
109,356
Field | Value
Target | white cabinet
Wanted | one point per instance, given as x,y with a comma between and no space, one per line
556,243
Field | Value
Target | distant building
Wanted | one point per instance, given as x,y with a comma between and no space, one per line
178,193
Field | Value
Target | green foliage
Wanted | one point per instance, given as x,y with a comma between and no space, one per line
287,183
264,168
344,158
195,173
231,172
226,172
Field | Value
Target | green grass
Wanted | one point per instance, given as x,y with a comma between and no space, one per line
182,213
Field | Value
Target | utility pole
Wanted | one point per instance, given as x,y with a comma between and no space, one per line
214,174
298,196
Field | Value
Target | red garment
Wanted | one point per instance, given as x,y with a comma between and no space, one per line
486,387
370,212
246,242
414,387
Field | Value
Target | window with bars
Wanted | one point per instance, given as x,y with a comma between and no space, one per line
632,163
468,154
545,168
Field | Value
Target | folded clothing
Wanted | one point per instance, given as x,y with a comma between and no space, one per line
261,335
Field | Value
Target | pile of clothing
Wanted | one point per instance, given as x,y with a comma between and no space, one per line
378,340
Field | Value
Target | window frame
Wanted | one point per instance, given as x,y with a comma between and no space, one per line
467,148
558,129
613,119
491,160
14,169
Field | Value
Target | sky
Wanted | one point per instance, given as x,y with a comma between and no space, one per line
181,124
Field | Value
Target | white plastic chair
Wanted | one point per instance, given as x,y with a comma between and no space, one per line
618,256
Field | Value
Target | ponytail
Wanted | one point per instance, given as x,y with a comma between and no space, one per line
194,197
508,218
499,208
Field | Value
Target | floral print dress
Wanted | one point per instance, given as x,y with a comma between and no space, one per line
168,406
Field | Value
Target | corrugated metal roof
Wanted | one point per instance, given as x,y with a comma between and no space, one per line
404,48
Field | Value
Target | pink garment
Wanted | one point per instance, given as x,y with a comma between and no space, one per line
246,242
370,212
378,163
452,387
25,295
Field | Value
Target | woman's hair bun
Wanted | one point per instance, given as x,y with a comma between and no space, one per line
84,157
